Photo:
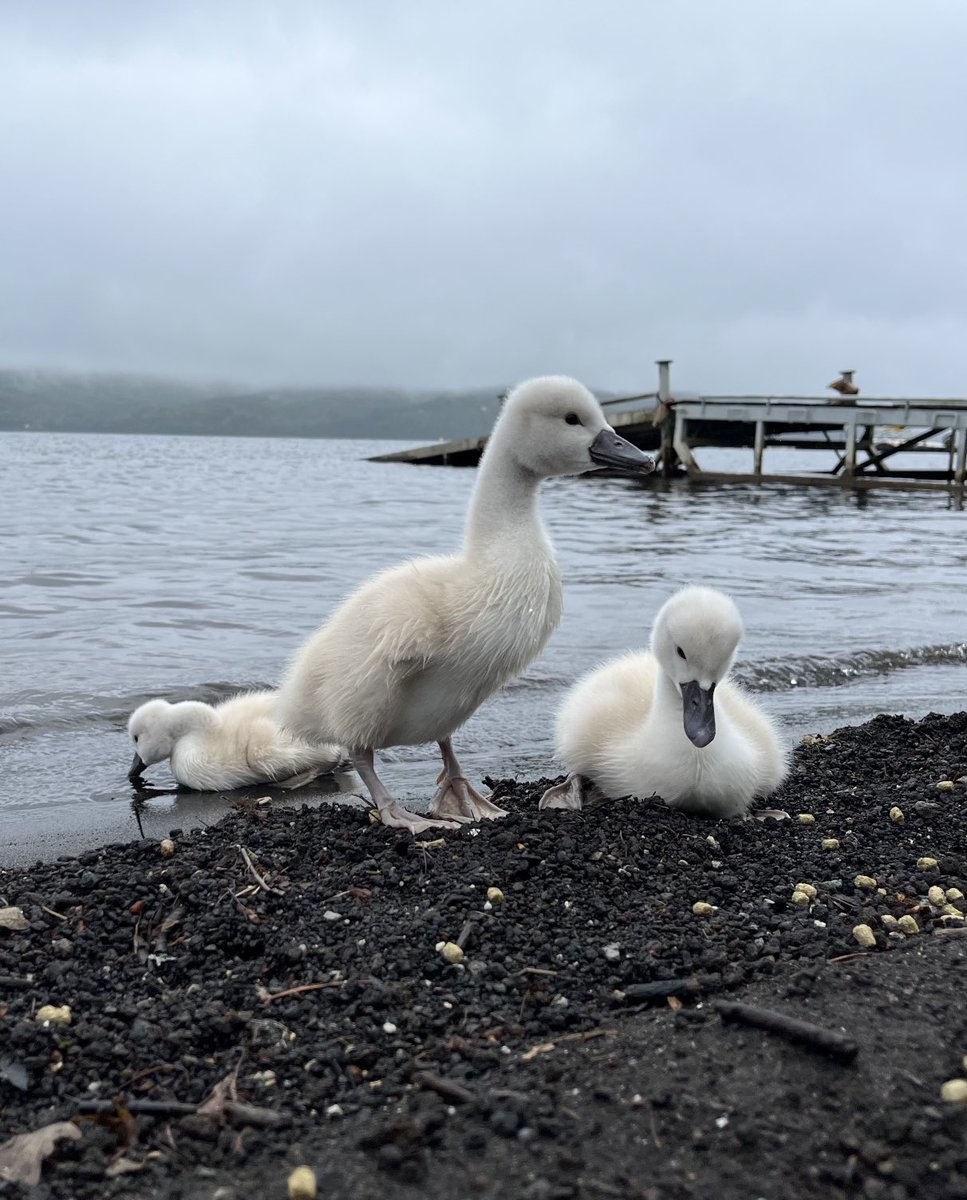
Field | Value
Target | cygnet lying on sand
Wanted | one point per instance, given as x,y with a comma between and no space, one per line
669,722
215,748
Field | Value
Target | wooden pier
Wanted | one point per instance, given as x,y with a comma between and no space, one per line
865,434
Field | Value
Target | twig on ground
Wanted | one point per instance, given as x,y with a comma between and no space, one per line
254,873
248,1114
587,1036
828,1041
15,981
270,997
660,989
456,1093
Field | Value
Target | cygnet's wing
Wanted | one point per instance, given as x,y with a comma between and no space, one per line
772,758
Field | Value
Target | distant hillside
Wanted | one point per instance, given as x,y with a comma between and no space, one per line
91,403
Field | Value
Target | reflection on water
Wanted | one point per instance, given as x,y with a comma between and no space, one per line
192,566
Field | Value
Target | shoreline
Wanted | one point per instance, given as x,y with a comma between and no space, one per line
293,953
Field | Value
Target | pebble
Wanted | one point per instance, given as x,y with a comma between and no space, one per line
908,924
801,897
53,1014
13,919
495,895
611,952
955,896
926,863
867,882
946,785
954,1091
702,909
807,889
864,935
450,951
334,1111
807,819
302,1184
389,1027
896,814
331,915
167,847
830,843
889,921
937,896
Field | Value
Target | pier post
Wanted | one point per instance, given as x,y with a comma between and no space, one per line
760,445
960,454
668,418
849,456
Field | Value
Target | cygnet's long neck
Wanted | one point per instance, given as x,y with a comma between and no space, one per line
504,511
668,698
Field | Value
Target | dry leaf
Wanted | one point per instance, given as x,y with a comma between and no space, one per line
13,918
223,1092
22,1157
123,1166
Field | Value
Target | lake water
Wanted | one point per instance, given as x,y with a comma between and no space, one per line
190,567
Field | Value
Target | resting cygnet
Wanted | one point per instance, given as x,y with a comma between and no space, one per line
669,722
215,748
410,655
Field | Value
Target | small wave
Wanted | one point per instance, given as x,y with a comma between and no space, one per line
816,671
111,710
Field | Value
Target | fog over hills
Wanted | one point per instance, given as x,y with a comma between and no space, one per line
111,403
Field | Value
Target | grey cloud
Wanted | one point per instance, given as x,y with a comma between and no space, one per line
437,194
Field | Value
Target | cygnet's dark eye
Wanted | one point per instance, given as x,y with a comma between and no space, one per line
573,419
681,653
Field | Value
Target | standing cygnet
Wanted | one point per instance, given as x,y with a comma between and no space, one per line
410,655
669,721
228,745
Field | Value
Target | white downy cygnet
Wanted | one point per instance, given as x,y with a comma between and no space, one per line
409,656
669,722
215,748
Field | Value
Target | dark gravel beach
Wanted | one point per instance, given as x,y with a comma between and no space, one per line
281,973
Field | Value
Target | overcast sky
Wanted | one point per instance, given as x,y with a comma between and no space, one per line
440,193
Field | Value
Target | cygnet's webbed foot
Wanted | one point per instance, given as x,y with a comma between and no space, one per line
768,814
387,810
577,791
396,816
456,797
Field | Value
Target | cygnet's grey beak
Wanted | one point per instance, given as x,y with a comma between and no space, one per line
610,450
137,768
699,712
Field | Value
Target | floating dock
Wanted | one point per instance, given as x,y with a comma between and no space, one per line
865,434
